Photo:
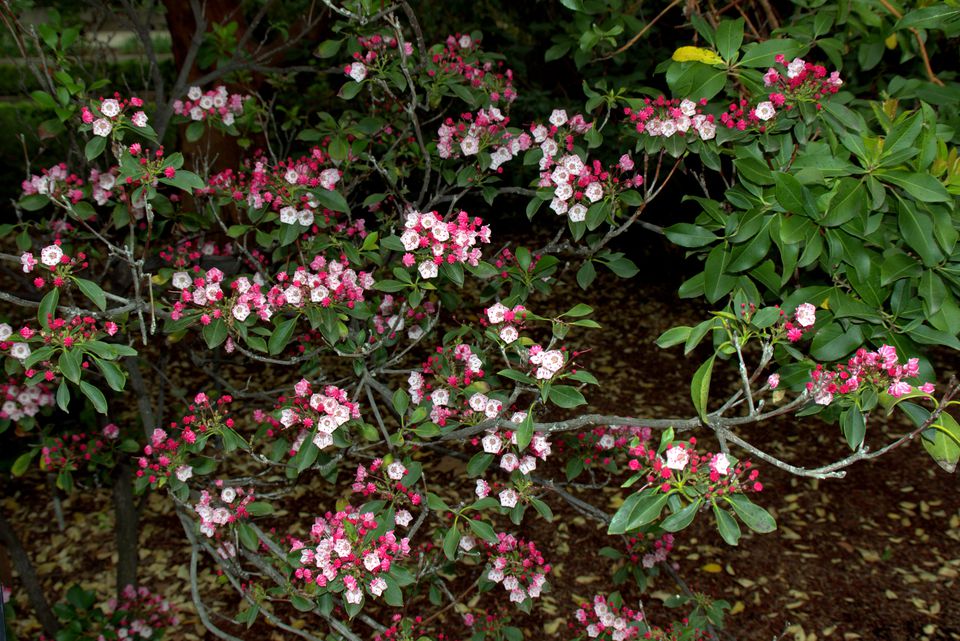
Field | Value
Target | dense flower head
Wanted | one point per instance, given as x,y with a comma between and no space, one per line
460,57
880,370
663,117
517,565
165,456
430,241
217,103
55,182
344,556
386,482
395,314
223,506
22,400
609,622
715,474
318,412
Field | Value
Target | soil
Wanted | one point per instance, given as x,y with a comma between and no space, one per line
873,556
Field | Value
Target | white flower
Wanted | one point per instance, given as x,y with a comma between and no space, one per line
469,145
806,315
509,334
478,402
228,495
688,107
795,68
109,107
428,269
288,215
139,119
508,497
558,118
765,110
184,472
720,463
396,471
305,217
403,518
20,351
677,458
194,93
577,213
358,71
509,462
291,176
594,192
181,280
371,561
410,240
495,313
5,331
377,586
491,444
465,41
707,130
668,128
102,127
51,255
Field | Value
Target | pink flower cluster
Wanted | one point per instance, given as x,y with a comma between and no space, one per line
217,511
546,363
517,565
799,80
608,622
55,182
342,559
715,472
646,550
58,263
284,188
662,117
385,482
376,47
110,112
460,56
599,445
326,411
70,452
61,333
503,442
505,321
165,455
804,318
23,401
473,134
323,283
456,367
880,370
429,239
144,615
214,103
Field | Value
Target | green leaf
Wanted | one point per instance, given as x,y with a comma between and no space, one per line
647,510
700,388
214,332
681,518
95,147
942,442
915,227
726,525
922,186
95,395
755,517
63,395
331,199
301,603
451,541
578,310
514,375
854,426
525,431
93,292
281,336
260,508
673,336
688,235
483,529
566,396
729,38
789,192
832,342
762,54
70,364
48,307
938,16
586,274
185,181
22,463
401,401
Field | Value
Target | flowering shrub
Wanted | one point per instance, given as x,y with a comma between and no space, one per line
358,334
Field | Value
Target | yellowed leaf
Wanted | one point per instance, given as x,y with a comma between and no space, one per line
697,54
712,568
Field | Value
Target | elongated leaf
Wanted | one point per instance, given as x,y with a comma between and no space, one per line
95,395
726,525
93,292
755,517
700,388
281,336
566,396
48,307
682,518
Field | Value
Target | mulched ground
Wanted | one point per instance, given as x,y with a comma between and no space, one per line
874,556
